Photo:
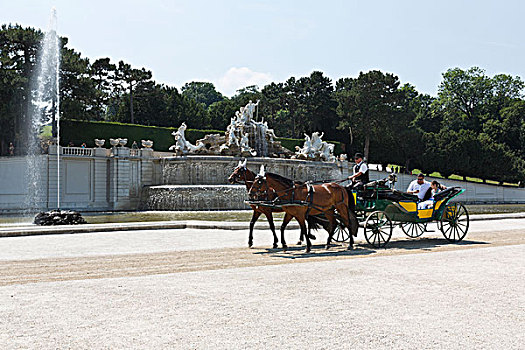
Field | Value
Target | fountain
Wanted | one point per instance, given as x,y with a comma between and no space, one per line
45,109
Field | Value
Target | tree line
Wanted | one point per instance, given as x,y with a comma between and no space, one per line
475,126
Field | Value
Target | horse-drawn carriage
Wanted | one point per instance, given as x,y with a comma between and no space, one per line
377,208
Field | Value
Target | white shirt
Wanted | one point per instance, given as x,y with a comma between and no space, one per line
362,169
423,188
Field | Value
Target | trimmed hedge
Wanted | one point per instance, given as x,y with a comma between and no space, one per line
79,131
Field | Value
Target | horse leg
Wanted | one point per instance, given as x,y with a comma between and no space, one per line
286,220
302,224
301,236
331,227
255,216
269,216
354,227
311,223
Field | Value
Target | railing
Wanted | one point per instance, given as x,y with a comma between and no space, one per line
134,152
77,151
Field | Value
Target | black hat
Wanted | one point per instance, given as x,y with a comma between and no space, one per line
358,155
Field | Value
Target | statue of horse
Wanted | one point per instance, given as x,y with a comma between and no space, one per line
322,199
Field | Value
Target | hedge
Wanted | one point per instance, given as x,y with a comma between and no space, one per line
78,132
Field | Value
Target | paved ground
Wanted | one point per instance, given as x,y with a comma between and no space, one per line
203,289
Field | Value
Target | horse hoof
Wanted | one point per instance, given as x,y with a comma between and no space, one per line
275,246
285,247
299,242
327,246
307,250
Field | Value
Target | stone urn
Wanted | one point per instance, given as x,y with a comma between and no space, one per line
147,143
122,142
114,142
100,142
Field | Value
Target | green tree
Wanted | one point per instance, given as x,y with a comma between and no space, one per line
202,92
368,106
129,78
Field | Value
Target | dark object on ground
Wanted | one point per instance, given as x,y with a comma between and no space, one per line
59,217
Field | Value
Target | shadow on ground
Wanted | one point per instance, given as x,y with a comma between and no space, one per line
319,250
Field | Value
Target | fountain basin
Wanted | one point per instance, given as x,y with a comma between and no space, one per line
193,197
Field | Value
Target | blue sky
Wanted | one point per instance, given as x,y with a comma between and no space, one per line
238,43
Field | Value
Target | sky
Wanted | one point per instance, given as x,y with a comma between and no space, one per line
235,43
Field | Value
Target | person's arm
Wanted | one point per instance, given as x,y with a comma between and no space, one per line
411,188
355,175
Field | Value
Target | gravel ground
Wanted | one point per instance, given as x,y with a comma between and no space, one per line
220,295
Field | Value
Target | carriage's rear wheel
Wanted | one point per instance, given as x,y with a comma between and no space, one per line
413,229
454,222
378,229
341,233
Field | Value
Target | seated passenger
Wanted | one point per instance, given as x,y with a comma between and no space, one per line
419,187
436,187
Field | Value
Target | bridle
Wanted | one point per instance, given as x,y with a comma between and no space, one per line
261,190
240,178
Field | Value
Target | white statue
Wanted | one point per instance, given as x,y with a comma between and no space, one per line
230,130
182,146
246,150
315,148
249,109
316,141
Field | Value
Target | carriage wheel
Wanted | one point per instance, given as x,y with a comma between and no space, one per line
341,233
413,229
454,222
378,229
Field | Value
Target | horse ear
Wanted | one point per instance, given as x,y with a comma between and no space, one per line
261,171
244,163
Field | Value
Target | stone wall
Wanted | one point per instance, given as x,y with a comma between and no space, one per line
122,179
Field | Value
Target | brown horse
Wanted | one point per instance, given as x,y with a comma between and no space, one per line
242,175
316,199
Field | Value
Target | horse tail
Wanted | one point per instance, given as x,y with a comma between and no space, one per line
316,222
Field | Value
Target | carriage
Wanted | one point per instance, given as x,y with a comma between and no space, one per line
379,208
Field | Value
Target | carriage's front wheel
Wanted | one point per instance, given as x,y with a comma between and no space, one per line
454,222
413,229
378,229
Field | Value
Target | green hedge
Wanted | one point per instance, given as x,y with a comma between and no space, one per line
78,131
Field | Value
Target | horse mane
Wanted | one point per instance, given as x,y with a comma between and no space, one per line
284,180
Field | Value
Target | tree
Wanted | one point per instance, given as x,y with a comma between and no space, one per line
202,92
368,106
103,72
129,78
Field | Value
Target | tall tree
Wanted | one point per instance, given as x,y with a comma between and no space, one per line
129,79
202,92
369,105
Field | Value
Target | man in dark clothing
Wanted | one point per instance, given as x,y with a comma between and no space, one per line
360,176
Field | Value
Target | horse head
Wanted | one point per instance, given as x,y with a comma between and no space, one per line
240,174
259,189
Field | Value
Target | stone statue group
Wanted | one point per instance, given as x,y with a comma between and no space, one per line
314,148
244,134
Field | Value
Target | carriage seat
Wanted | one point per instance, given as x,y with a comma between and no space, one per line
396,196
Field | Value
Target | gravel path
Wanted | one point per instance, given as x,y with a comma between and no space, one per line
70,291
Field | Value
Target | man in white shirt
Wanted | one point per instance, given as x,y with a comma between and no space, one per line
419,187
360,176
